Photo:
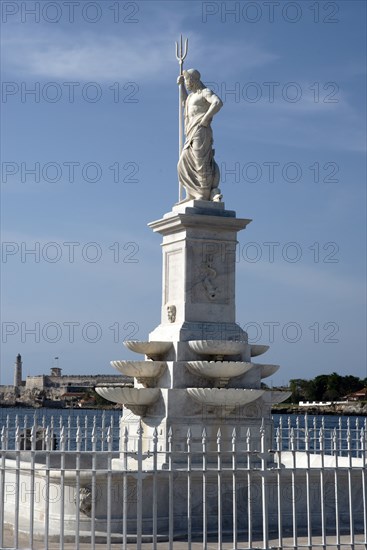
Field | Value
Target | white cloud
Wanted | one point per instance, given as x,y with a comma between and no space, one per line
89,56
229,57
305,124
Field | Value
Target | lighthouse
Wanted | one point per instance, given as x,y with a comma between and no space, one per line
18,371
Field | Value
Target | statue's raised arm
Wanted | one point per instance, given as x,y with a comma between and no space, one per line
197,170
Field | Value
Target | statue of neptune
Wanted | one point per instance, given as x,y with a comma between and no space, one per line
198,172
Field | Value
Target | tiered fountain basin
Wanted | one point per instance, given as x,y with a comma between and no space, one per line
135,399
220,371
153,350
225,398
266,370
219,348
146,372
223,348
258,349
273,397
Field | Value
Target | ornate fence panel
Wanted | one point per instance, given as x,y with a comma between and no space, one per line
74,481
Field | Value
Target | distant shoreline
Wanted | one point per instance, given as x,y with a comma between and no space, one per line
57,407
347,409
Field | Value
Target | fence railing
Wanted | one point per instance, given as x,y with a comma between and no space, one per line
69,426
64,483
299,429
303,431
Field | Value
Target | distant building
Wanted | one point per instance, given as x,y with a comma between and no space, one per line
360,395
54,386
64,382
56,371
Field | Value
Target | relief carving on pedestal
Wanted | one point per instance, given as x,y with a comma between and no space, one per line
171,313
208,275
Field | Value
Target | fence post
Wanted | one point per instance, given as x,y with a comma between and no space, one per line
289,424
264,485
293,478
314,435
234,486
139,491
281,432
155,467
189,520
103,429
340,435
52,433
7,427
205,510
350,489
219,488
77,485
109,482
62,482
278,441
93,483
322,483
32,491
124,489
297,433
17,485
308,488
364,481
47,481
336,484
69,432
17,427
2,483
170,490
86,433
249,487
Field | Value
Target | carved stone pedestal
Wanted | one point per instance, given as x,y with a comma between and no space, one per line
199,258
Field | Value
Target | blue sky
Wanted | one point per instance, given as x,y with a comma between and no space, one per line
290,141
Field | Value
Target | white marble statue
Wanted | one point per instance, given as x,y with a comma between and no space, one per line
198,172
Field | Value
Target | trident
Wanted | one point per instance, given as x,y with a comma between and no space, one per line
181,53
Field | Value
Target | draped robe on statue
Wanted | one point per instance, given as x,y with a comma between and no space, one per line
197,170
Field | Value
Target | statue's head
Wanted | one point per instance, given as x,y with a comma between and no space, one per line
192,79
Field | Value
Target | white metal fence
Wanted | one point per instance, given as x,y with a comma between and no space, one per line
299,427
66,483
